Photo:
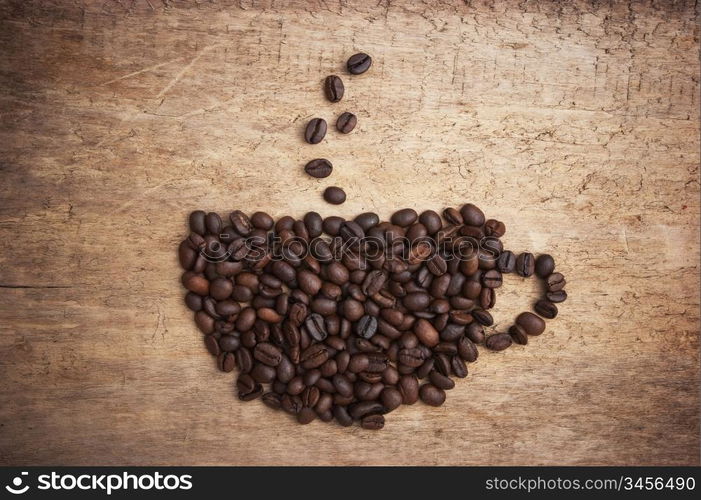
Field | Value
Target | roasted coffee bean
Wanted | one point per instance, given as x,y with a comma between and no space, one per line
498,342
458,367
213,223
373,282
240,222
229,343
272,400
346,122
452,216
487,298
483,317
544,265
467,350
452,332
404,217
363,408
315,131
316,327
309,282
333,88
244,359
411,357
306,415
313,223
554,297
441,381
334,195
506,263
432,395
417,301
263,373
319,168
555,282
426,333
367,220
359,63
409,388
292,404
341,415
437,265
366,327
471,215
531,324
492,279
518,334
342,385
525,264
248,388
546,309
197,222
193,301
332,225
431,221
475,332
261,220
314,356
494,228
268,354
373,422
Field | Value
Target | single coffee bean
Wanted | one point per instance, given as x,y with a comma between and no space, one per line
213,223
197,222
482,317
554,297
467,350
487,298
546,309
363,408
314,356
506,263
248,388
404,217
412,357
367,220
334,195
261,220
544,265
409,388
359,63
315,131
531,324
472,216
518,334
458,366
525,264
492,279
306,415
341,415
373,422
319,168
272,400
494,228
240,222
441,381
346,122
432,395
366,327
452,216
431,221
268,354
426,333
316,327
475,332
437,265
333,88
498,342
416,301
555,282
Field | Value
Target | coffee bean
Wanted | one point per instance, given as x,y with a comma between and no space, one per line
441,381
261,220
404,217
341,415
367,220
416,301
475,332
525,264
482,317
458,366
373,282
268,354
240,222
319,168
494,228
315,327
315,131
544,265
492,279
432,395
306,415
359,63
530,323
248,388
555,297
334,195
412,357
506,263
373,422
555,282
487,298
467,350
518,334
197,222
437,265
314,356
366,327
498,342
346,122
472,216
272,400
431,221
426,333
546,309
333,88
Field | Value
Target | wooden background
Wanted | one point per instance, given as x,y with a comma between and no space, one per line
577,125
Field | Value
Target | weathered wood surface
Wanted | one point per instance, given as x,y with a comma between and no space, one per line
577,125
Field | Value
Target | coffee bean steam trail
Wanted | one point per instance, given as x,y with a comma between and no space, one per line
375,315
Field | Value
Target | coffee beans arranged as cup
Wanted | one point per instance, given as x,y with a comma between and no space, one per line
346,320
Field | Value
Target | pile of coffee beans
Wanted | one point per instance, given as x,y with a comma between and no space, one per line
347,320
315,131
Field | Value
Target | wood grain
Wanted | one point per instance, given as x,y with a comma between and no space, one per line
575,123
